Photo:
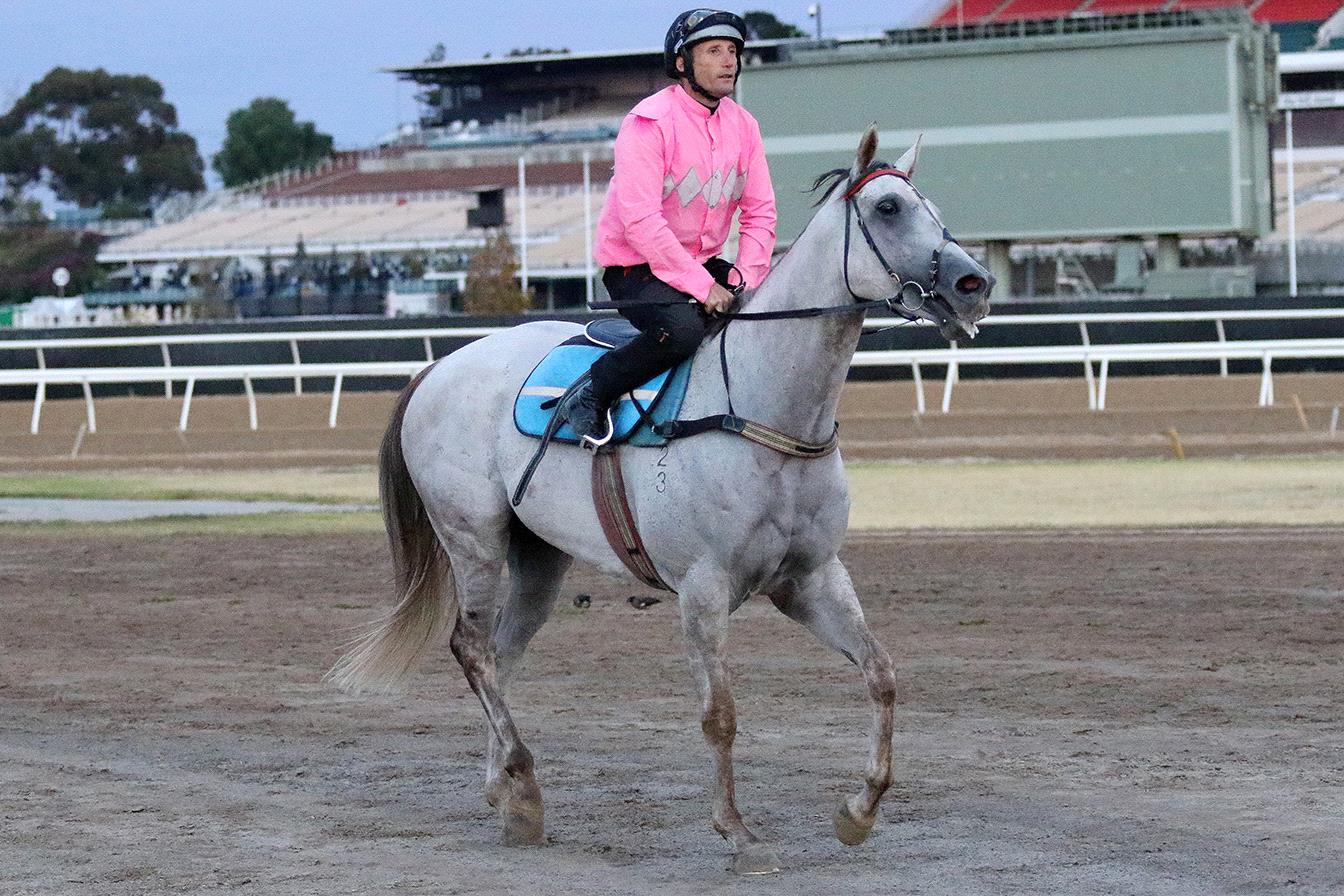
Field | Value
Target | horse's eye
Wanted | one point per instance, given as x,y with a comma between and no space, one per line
887,207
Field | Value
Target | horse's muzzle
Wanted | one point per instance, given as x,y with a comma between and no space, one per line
964,286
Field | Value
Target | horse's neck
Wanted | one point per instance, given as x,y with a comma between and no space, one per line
788,373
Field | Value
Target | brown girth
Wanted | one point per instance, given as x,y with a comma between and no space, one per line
618,523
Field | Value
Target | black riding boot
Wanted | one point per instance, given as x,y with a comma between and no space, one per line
586,415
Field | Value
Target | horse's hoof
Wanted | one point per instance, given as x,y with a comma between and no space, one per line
523,825
850,830
755,858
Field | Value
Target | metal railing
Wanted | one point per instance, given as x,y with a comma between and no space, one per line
1095,359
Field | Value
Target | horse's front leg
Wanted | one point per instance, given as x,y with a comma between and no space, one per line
824,601
704,599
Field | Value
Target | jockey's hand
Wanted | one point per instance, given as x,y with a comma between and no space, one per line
719,300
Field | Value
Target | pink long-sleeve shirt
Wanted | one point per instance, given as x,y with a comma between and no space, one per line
680,173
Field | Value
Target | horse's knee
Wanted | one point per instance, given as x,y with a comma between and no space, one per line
719,723
881,675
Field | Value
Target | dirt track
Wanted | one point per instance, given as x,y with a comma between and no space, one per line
1028,418
1120,712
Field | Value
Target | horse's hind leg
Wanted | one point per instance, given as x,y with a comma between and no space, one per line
477,565
825,602
704,598
536,571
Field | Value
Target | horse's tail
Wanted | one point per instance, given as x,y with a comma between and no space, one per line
382,658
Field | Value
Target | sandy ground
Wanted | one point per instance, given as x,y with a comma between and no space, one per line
1113,712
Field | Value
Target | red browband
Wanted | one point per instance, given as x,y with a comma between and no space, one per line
849,194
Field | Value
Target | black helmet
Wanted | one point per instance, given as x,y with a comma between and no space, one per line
696,25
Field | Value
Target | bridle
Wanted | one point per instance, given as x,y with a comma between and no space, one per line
910,295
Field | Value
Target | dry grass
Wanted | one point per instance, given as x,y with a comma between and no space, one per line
1072,494
928,495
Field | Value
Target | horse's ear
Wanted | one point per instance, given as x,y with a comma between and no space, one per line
867,150
907,162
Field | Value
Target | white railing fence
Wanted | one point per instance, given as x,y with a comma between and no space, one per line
1095,359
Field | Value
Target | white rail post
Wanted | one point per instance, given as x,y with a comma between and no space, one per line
167,362
251,403
294,353
1266,382
429,351
1222,338
186,404
1101,386
336,400
88,407
953,374
1087,368
41,394
919,388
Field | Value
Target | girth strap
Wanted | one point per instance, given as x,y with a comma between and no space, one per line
618,523
755,432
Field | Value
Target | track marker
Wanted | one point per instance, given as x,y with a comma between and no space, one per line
1176,447
1301,414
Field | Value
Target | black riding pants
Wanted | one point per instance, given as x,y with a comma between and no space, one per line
669,334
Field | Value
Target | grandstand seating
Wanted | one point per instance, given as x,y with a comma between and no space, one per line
555,219
1124,7
979,12
1295,10
971,11
353,181
1034,9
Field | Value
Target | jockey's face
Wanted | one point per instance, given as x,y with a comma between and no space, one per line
715,64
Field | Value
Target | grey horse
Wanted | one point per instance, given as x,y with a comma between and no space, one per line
723,518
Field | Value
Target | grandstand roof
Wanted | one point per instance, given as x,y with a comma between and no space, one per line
588,63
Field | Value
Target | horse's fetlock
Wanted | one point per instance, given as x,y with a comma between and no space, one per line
519,762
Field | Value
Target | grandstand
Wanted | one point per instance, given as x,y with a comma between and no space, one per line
1296,21
410,196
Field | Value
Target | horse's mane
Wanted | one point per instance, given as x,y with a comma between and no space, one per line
837,176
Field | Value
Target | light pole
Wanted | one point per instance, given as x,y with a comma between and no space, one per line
814,12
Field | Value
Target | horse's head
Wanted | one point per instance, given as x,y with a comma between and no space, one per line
896,242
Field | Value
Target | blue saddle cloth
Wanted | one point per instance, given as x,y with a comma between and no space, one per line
660,397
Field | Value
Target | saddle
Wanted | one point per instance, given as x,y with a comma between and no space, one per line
634,418
634,415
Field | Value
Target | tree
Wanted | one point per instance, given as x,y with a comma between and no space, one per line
97,139
265,138
764,26
491,279
30,253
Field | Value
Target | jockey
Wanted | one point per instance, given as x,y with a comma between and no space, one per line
687,158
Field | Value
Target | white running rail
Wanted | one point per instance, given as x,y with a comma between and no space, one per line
1096,359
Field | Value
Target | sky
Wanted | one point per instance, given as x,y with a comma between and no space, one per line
324,56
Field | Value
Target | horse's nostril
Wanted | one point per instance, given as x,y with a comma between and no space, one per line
970,284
